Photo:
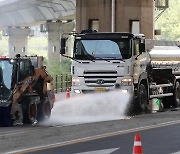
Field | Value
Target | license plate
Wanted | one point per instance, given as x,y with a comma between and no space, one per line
100,89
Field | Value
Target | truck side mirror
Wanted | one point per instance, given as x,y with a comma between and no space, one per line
31,70
141,47
63,46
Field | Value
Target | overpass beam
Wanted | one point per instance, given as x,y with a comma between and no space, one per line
18,40
136,16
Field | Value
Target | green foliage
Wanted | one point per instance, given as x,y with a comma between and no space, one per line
61,74
66,65
38,46
58,68
169,22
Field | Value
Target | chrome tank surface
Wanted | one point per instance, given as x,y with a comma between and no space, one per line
165,53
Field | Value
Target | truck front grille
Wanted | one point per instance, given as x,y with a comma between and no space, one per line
100,78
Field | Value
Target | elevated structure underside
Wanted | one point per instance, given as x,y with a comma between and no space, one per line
33,12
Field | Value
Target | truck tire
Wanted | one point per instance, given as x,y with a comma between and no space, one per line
176,101
44,110
132,108
142,98
29,112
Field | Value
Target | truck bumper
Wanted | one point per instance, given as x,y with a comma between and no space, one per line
78,90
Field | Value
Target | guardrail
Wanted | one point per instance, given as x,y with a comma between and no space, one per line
62,82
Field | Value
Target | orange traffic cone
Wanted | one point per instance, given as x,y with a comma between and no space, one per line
137,145
54,98
67,93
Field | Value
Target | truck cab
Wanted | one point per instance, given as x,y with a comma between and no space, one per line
6,71
106,61
12,72
26,90
146,69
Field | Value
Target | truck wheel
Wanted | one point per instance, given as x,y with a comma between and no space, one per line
44,110
142,98
29,112
176,101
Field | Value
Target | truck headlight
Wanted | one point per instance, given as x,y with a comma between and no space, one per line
126,82
77,91
75,81
124,91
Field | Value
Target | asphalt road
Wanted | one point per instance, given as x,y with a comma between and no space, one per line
162,140
159,133
117,135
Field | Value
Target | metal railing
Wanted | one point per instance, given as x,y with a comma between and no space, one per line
62,82
161,4
160,7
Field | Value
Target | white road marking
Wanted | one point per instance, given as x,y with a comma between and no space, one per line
105,151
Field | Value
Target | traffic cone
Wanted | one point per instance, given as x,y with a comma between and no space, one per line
67,93
54,98
137,145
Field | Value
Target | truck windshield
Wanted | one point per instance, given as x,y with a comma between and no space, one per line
5,79
106,49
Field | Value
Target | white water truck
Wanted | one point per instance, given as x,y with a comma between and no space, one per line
146,69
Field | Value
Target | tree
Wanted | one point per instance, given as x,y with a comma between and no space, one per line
169,22
61,74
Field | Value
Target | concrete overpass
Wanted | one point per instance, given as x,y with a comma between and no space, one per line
32,12
17,17
103,15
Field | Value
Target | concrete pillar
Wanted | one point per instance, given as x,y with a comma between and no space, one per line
18,40
147,18
126,11
55,31
87,10
53,41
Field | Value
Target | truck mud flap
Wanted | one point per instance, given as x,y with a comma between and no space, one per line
5,118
